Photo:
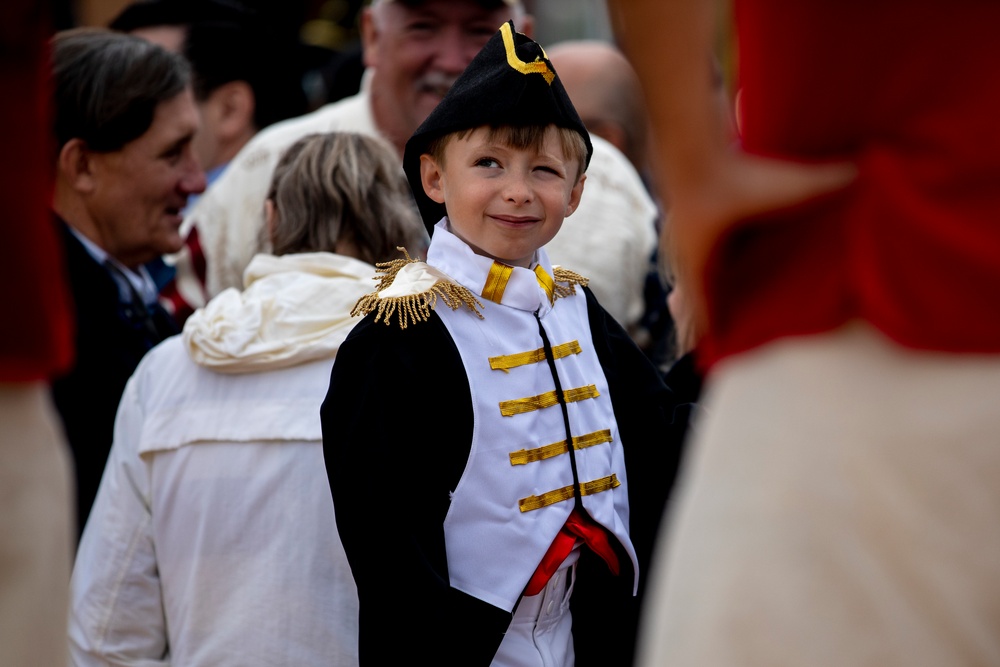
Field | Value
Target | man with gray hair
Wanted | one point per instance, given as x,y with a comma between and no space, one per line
413,51
124,117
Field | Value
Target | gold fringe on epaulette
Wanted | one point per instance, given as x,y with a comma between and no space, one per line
412,307
566,281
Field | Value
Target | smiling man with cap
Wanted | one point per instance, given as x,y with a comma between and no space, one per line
413,51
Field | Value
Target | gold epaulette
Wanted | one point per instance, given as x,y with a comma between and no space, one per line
414,307
566,281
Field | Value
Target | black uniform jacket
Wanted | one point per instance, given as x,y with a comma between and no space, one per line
397,428
111,339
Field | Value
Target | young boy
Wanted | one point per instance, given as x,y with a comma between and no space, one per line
490,432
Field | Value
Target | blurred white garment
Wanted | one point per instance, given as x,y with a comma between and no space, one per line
36,526
213,539
230,214
839,508
611,236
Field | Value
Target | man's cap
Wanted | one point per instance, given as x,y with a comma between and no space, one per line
509,82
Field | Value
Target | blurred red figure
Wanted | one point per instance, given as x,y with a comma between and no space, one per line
841,503
36,342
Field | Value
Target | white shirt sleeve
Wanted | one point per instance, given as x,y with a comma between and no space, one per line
116,607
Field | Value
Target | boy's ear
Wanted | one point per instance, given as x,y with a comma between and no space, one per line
574,196
430,178
75,163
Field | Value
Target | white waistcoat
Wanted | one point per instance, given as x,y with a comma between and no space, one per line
517,489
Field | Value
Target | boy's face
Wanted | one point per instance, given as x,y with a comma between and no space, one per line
504,202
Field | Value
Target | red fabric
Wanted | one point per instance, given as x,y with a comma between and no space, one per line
36,336
578,526
904,88
170,297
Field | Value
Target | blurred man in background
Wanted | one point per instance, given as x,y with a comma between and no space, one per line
125,122
615,251
246,75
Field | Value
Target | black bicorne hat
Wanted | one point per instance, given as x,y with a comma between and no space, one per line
509,82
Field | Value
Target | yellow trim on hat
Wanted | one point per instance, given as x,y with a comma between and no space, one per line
496,281
525,456
537,67
566,492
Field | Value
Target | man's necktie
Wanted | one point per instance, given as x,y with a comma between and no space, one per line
135,309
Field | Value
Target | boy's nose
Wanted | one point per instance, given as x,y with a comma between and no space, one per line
517,190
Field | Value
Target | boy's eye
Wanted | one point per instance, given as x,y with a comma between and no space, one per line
548,170
487,162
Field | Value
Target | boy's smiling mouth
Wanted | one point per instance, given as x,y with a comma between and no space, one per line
515,219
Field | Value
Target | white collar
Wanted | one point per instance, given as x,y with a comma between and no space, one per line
517,287
139,281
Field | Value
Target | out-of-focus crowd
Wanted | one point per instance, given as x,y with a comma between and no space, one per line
261,310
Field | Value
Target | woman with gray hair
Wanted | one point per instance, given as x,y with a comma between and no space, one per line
213,539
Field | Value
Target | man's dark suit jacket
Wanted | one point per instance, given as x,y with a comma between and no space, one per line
111,339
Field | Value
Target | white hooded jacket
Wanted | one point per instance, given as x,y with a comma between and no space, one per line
213,539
